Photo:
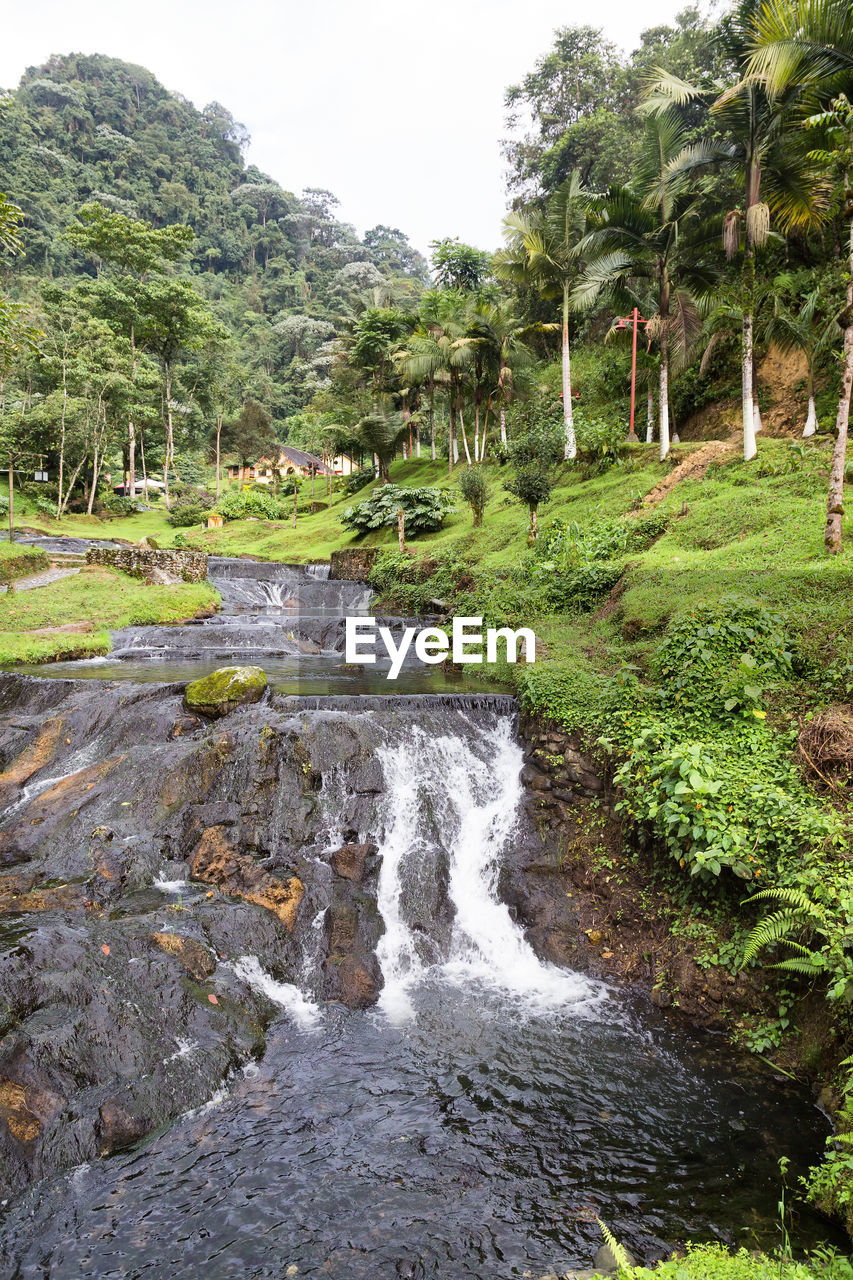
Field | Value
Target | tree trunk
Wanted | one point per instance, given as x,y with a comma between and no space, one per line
131,429
750,449
11,501
835,508
663,398
218,438
295,499
401,528
533,531
464,438
62,436
432,420
811,417
571,448
144,471
650,416
167,460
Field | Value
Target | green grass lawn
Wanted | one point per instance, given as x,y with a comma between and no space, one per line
100,597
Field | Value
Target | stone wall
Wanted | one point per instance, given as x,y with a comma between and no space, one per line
153,566
353,564
556,765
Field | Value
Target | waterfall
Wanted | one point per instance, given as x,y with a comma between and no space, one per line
451,809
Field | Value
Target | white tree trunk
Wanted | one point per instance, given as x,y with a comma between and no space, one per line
571,449
464,439
811,419
503,424
650,416
663,406
750,449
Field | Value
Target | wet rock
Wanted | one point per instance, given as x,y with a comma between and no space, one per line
226,689
19,894
356,984
33,758
605,1260
216,862
119,1126
193,955
351,860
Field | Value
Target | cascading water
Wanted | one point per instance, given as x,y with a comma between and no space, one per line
476,1124
451,806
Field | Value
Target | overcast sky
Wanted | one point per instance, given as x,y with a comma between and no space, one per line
397,108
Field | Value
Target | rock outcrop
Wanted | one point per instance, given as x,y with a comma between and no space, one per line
226,689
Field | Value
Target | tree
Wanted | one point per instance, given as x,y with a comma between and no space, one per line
762,151
132,250
475,491
544,250
460,266
534,450
176,320
218,390
571,101
497,332
250,435
381,433
809,44
652,233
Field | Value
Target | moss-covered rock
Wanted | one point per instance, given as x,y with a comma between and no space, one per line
223,690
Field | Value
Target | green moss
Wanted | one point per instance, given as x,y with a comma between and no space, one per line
221,691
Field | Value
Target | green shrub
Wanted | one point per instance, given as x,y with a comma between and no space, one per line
424,509
238,504
475,491
184,514
357,480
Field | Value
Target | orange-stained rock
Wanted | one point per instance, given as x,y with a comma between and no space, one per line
216,862
351,860
195,957
32,758
21,1122
28,1102
18,893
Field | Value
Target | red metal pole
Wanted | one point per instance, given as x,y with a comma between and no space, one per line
632,435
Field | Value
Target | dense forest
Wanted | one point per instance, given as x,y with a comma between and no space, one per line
162,295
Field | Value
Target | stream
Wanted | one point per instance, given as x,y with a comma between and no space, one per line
482,1109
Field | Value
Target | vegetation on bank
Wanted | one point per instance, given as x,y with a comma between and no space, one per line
95,597
18,562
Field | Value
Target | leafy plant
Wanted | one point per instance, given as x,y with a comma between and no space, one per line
424,508
475,491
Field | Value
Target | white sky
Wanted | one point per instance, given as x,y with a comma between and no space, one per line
395,107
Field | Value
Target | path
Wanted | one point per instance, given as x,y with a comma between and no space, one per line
692,468
42,579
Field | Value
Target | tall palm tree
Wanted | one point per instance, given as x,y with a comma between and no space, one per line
759,148
809,44
498,335
650,237
542,249
436,353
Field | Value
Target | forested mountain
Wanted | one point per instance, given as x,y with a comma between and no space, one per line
88,128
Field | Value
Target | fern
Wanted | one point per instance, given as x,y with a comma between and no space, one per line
620,1257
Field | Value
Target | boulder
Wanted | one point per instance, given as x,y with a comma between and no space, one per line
149,544
225,689
351,860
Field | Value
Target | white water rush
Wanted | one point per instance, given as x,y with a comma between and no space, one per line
458,793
